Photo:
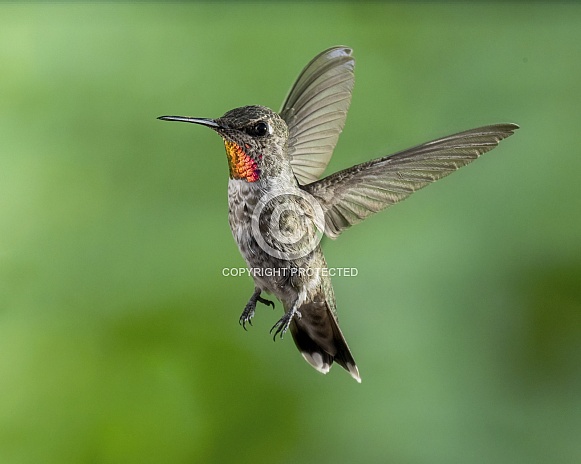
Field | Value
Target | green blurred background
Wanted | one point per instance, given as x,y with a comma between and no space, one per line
119,336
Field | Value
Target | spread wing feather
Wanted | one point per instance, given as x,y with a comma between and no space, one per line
349,196
315,111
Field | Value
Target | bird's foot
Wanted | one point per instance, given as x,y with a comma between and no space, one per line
283,324
248,313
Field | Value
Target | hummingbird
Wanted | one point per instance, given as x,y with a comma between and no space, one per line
279,207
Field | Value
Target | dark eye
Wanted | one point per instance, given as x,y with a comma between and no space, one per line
260,129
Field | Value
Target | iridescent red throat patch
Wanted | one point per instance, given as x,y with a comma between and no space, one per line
241,165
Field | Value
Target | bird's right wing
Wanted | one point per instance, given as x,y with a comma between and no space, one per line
349,196
315,111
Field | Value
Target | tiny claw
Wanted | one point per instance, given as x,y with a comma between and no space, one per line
276,333
284,323
248,312
246,316
243,320
277,327
266,302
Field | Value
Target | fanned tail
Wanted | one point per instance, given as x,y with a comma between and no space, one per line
319,339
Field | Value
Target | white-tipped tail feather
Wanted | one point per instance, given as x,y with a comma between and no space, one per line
316,360
319,339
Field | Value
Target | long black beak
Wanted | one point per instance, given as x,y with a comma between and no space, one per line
203,121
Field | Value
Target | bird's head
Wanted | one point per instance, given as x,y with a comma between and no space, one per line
255,138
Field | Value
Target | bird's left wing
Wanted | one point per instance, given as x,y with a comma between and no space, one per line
349,196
